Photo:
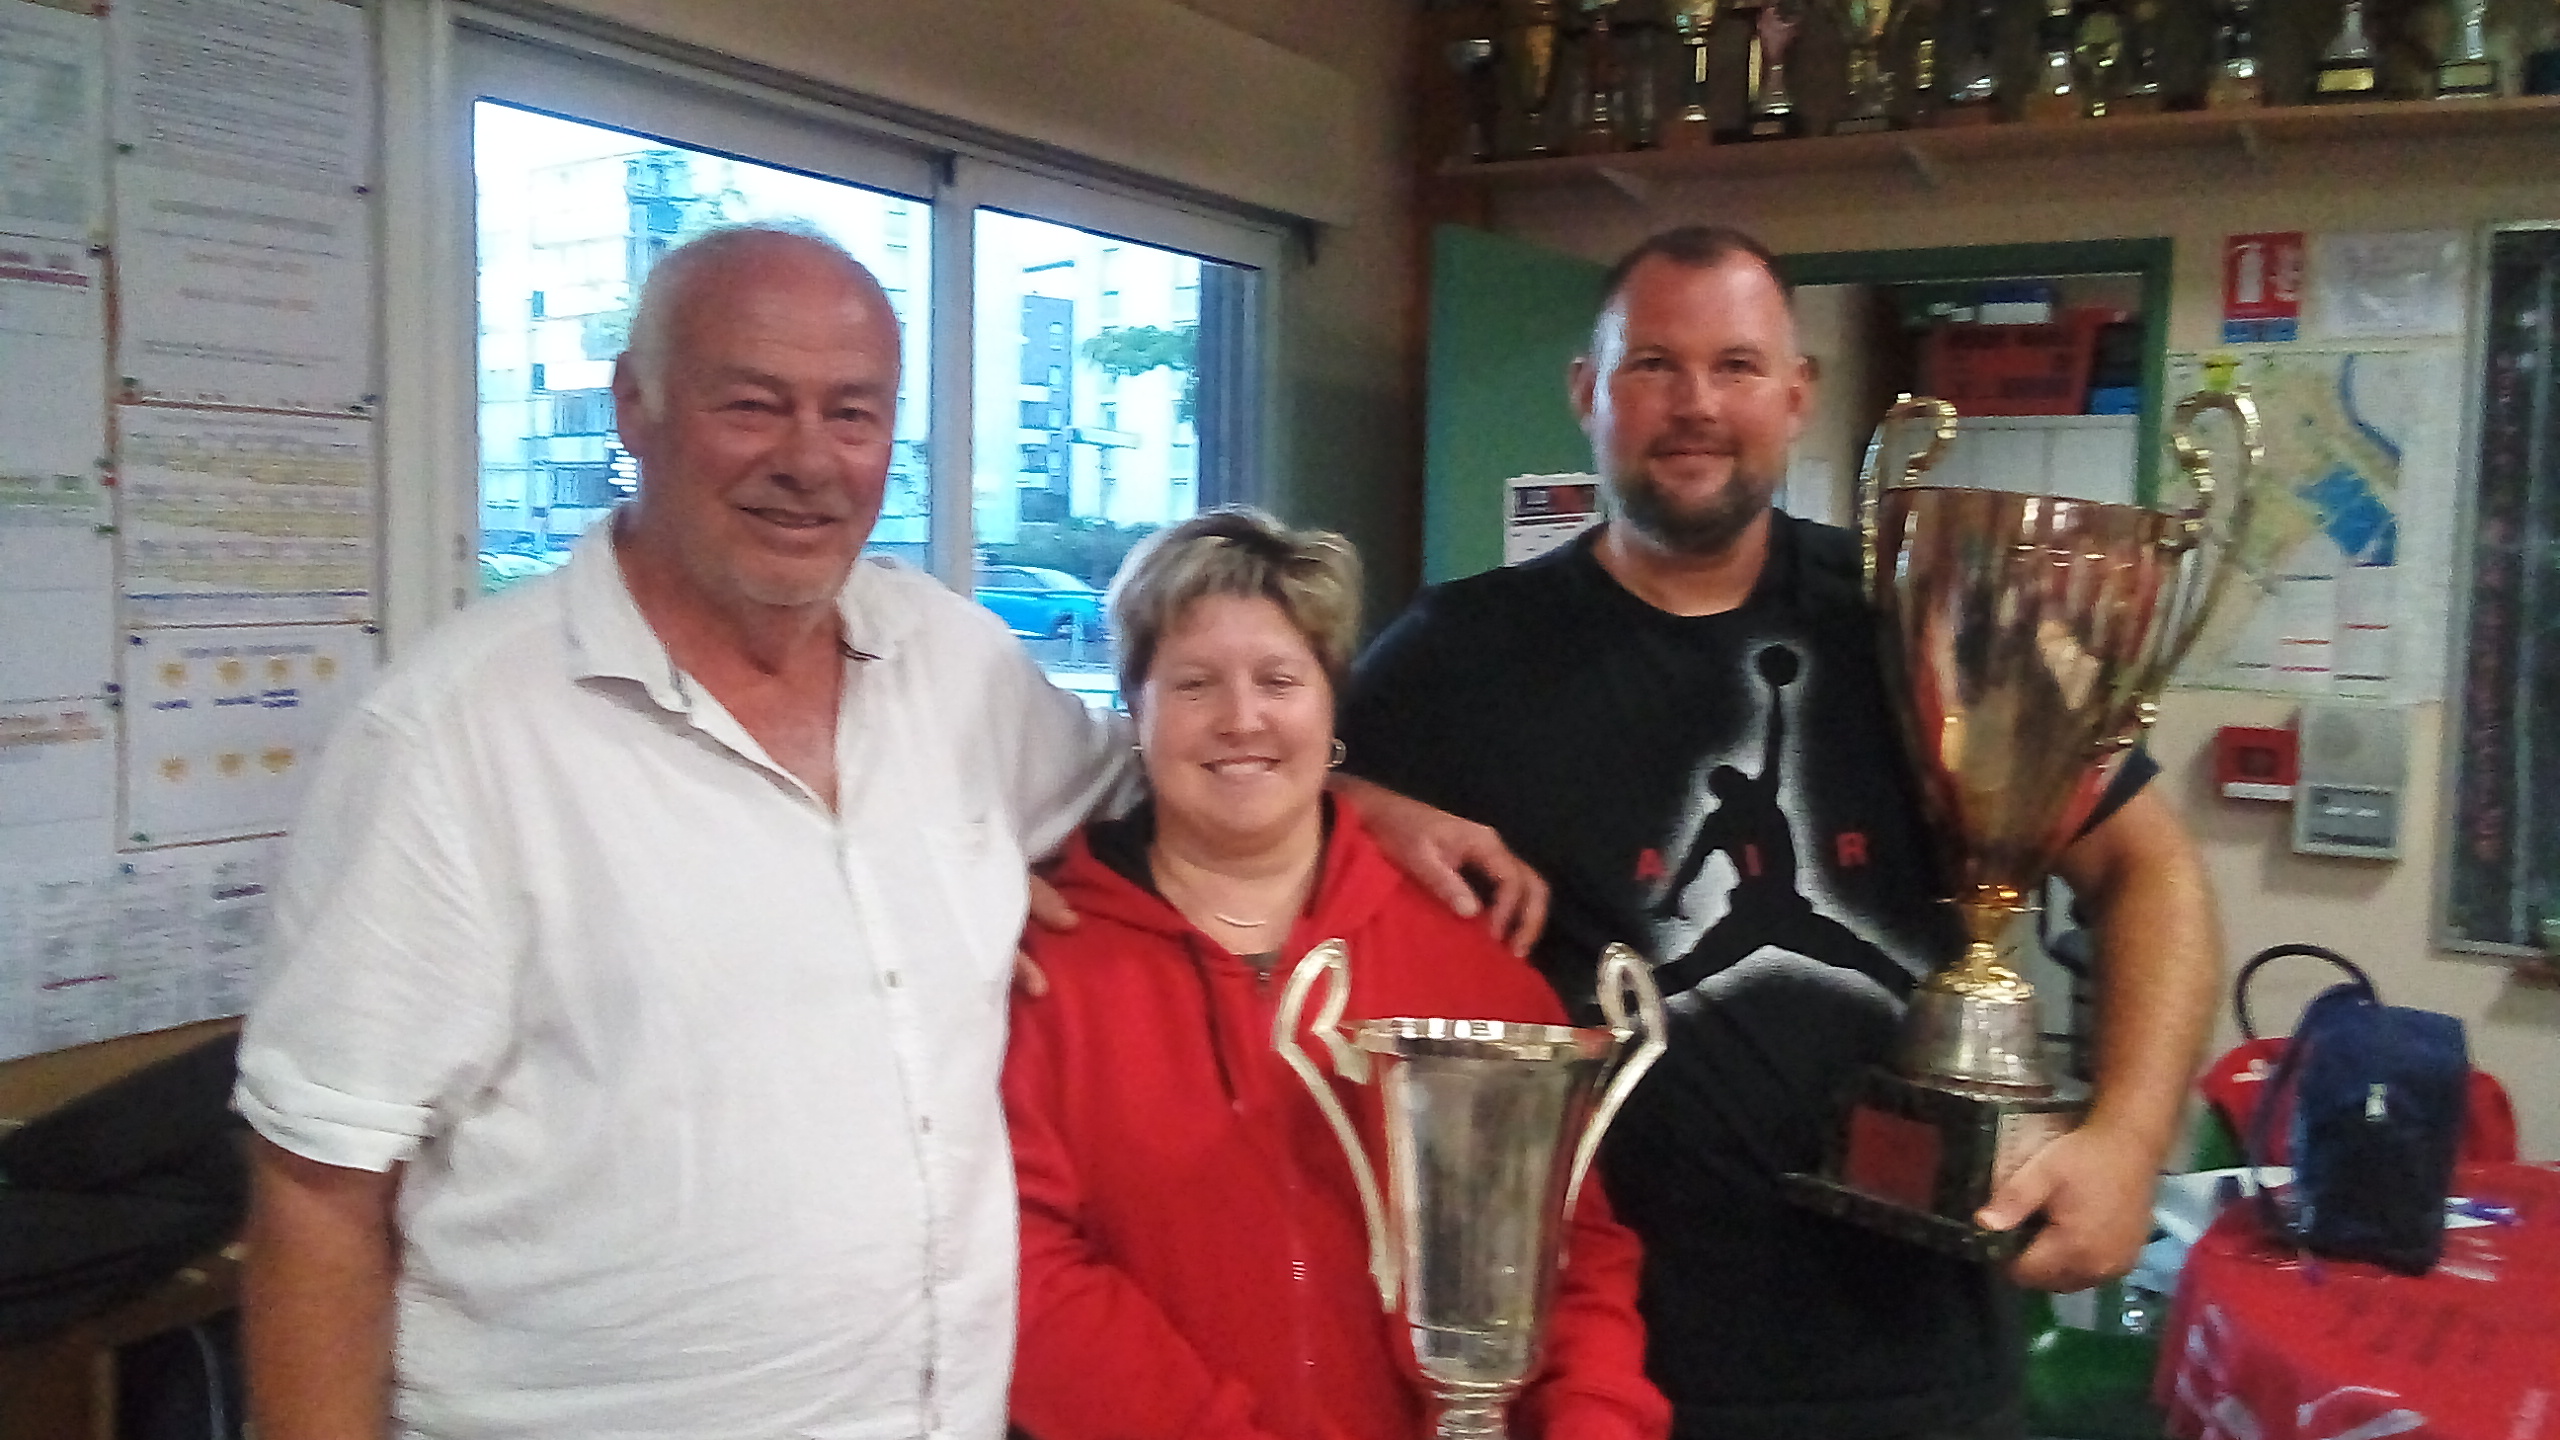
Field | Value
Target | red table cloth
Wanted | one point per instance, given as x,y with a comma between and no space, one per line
2265,1343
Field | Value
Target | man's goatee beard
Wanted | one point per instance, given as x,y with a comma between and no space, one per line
1703,533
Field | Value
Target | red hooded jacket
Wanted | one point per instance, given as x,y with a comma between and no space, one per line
1193,1257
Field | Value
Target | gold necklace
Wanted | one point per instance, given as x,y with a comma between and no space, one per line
1155,862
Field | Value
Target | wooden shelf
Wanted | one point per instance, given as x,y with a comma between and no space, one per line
1936,154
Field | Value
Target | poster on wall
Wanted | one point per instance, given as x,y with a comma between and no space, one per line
231,518
2387,285
92,949
223,726
274,91
53,349
53,147
57,779
2346,586
235,293
2261,287
57,954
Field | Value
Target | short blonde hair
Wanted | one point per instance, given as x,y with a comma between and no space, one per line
1312,575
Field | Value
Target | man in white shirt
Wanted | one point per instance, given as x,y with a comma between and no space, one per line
630,1066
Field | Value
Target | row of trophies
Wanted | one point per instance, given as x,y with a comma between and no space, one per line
1550,77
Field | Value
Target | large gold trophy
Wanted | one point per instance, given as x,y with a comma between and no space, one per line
2026,639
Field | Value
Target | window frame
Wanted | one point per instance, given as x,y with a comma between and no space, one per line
440,57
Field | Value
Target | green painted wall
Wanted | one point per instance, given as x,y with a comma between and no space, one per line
1505,320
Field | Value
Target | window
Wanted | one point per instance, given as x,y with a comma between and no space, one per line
1095,372
569,209
1125,385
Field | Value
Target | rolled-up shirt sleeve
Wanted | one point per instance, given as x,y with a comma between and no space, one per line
391,990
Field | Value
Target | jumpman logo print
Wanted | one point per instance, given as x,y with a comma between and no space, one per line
1750,828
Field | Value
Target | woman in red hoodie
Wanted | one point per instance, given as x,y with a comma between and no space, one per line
1193,1258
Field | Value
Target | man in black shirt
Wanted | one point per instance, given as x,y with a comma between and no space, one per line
1680,720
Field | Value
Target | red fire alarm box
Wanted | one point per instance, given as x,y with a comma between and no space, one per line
2255,762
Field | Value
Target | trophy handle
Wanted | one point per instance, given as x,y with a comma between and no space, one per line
1624,974
2197,601
1871,486
1330,962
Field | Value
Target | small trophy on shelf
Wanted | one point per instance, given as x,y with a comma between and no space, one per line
1914,47
2346,65
1871,81
2052,98
1529,62
1973,89
2098,59
1694,21
1773,107
1600,130
1480,90
1643,76
2468,73
2142,94
2236,84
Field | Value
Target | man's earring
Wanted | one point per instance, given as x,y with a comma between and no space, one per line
1341,752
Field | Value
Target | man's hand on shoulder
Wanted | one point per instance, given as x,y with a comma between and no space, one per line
2095,1188
1049,911
1438,851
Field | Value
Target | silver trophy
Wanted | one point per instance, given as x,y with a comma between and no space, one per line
1490,1127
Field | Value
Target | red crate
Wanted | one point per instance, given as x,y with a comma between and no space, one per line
2015,369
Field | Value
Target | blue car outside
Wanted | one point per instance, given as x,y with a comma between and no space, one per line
1041,604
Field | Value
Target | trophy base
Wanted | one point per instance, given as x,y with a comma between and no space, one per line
1689,133
1961,1238
2235,92
1915,1160
1958,113
1862,125
1784,126
1596,140
2467,80
2349,82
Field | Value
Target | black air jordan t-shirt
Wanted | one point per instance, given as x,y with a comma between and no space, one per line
1728,794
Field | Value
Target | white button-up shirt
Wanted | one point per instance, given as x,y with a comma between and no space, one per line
694,1079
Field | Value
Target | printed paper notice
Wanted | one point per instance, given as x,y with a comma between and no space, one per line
277,91
2383,286
191,931
243,519
57,779
57,581
235,293
53,349
53,147
91,948
57,954
222,726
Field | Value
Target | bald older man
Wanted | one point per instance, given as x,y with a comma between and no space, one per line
630,1065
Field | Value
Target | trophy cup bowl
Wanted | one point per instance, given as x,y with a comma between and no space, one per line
1490,1128
2026,639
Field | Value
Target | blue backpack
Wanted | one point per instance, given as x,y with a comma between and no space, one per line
2371,1097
